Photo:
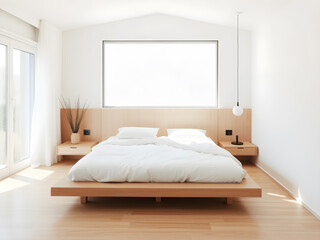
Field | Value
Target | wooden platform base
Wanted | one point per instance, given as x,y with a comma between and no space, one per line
247,188
84,200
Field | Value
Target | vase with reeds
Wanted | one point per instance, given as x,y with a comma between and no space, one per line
74,116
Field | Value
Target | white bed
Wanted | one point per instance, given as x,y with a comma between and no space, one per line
179,158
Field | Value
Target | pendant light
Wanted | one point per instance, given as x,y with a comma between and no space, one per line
237,110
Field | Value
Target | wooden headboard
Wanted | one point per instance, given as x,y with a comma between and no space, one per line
104,122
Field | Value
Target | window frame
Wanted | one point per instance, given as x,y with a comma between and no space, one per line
4,172
160,41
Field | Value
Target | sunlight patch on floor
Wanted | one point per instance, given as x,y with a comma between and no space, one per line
292,201
299,198
37,174
276,195
9,184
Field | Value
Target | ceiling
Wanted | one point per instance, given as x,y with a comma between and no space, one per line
70,14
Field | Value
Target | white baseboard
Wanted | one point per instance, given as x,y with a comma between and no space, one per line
289,191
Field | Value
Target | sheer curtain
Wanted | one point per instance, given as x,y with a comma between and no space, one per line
45,131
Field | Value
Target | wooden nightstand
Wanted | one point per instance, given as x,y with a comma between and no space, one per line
247,149
82,148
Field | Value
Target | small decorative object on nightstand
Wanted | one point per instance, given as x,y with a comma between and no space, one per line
237,141
74,121
82,148
247,149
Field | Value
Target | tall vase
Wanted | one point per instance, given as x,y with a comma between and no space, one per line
75,138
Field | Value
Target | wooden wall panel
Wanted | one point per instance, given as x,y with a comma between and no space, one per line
240,126
91,120
114,118
104,123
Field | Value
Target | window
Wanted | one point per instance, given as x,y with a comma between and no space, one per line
160,74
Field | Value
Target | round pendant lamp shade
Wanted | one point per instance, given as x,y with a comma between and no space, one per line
237,110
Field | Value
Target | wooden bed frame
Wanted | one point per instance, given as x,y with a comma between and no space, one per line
104,123
247,188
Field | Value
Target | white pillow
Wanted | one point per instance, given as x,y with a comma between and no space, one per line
137,132
185,132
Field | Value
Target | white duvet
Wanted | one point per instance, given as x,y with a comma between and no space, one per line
161,159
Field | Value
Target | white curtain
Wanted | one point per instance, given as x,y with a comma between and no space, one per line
45,131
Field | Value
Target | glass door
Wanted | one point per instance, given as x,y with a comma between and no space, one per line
17,77
4,170
22,95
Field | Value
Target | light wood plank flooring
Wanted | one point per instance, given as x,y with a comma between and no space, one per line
27,211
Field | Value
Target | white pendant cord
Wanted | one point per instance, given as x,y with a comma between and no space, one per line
238,57
237,110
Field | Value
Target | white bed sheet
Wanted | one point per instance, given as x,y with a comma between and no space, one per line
164,159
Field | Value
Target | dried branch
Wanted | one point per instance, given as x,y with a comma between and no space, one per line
80,112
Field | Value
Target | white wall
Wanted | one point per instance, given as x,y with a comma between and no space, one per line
286,98
82,53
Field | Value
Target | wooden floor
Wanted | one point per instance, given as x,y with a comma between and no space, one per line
27,211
